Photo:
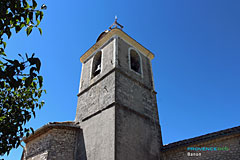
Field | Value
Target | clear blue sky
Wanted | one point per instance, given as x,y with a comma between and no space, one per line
196,66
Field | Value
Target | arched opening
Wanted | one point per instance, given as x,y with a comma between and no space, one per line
96,66
135,61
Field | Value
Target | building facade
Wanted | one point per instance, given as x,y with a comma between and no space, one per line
117,115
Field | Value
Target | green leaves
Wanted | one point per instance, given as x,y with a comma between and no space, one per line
27,21
4,44
29,30
31,16
17,29
32,129
20,92
40,80
35,61
37,14
25,4
2,53
41,15
20,82
22,25
28,81
17,14
8,32
34,4
38,22
40,30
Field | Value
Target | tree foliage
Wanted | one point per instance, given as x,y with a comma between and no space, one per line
20,82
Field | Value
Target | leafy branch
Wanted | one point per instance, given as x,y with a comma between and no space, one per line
20,82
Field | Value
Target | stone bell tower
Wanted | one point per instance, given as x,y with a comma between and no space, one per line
117,107
117,116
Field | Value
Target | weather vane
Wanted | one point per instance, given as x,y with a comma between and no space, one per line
115,24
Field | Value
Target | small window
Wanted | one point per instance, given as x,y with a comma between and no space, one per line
135,61
96,67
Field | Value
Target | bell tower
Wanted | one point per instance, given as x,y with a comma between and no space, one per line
117,107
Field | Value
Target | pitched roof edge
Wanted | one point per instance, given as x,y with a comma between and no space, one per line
123,35
202,138
49,126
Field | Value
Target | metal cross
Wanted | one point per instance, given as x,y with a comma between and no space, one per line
115,24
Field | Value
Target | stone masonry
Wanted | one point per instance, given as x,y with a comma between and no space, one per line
221,145
117,115
54,141
119,104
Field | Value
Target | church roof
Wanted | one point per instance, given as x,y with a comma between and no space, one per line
105,36
49,126
203,138
102,35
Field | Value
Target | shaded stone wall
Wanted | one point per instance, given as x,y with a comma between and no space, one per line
40,156
55,144
107,65
138,134
117,109
96,98
137,138
231,142
98,92
123,64
135,96
99,135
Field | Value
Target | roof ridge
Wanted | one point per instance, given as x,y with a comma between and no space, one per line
228,131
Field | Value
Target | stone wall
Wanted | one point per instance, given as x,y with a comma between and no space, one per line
137,138
231,142
40,156
54,144
98,92
123,64
117,109
131,94
99,135
107,65
96,98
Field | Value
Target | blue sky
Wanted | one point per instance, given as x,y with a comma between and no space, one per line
196,66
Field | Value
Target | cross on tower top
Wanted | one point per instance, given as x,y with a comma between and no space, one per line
115,24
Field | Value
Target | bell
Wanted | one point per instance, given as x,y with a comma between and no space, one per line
98,68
